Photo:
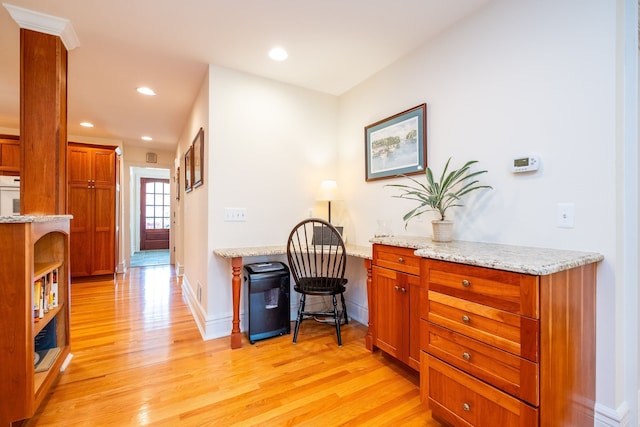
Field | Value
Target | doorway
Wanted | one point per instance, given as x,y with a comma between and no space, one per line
151,218
155,213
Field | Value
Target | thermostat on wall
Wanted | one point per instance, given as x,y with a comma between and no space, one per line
525,164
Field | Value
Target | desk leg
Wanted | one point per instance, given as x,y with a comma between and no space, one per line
368,341
236,336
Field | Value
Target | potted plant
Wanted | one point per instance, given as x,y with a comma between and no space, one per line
440,195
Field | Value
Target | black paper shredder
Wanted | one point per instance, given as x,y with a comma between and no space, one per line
267,305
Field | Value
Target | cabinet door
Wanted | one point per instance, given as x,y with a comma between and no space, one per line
81,239
79,165
103,168
390,310
104,199
103,230
9,156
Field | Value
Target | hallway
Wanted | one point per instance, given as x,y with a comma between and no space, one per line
151,257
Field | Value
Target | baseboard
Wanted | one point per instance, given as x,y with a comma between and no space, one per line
608,417
179,269
121,268
209,327
358,312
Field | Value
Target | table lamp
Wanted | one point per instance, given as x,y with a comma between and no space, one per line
328,192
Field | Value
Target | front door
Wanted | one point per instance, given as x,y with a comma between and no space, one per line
155,213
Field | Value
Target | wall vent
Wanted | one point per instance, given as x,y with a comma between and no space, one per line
152,158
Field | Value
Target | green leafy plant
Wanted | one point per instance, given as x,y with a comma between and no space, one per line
443,194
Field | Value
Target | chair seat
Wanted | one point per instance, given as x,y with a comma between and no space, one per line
320,285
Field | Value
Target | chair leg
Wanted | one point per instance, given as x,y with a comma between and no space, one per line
299,318
337,320
344,310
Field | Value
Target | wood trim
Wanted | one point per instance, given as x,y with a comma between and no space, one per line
43,123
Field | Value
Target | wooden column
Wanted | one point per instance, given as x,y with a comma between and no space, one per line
43,123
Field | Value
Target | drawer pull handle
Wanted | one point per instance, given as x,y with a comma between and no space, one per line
466,283
465,318
466,407
400,259
466,356
403,290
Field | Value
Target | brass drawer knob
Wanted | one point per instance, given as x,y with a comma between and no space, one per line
400,259
466,407
465,318
466,283
466,356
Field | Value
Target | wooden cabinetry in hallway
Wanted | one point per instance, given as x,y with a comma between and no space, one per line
92,202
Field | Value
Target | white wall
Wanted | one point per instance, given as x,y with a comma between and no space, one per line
533,76
270,147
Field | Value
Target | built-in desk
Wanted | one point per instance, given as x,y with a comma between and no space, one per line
237,254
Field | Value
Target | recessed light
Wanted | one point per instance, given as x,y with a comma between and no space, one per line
278,54
146,91
86,124
147,138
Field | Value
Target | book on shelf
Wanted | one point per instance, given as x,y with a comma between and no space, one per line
45,358
37,296
54,288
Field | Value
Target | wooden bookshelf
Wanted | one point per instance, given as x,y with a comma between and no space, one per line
33,247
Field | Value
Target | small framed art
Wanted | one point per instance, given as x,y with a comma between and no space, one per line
397,145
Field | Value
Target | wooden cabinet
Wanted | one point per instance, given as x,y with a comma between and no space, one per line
9,155
396,297
92,202
29,251
508,349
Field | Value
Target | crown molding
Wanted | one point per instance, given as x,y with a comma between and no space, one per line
43,23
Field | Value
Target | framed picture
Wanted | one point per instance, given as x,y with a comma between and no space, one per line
397,145
198,157
188,170
178,189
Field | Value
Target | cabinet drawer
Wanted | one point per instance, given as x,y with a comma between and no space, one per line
512,374
462,400
395,258
504,290
515,334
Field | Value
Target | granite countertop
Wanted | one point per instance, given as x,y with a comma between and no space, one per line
519,259
17,219
352,250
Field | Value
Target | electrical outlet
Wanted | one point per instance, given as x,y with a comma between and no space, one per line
566,215
235,214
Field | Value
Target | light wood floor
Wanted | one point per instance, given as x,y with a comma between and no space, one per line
140,360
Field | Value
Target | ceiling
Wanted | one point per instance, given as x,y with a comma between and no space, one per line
166,44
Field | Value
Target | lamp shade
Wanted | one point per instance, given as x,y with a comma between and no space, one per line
328,191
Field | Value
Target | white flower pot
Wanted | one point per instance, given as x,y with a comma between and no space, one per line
442,230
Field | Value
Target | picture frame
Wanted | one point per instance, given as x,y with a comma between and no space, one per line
198,159
178,188
397,145
188,170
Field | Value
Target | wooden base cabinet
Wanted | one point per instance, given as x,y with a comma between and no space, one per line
507,349
30,250
396,297
92,202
